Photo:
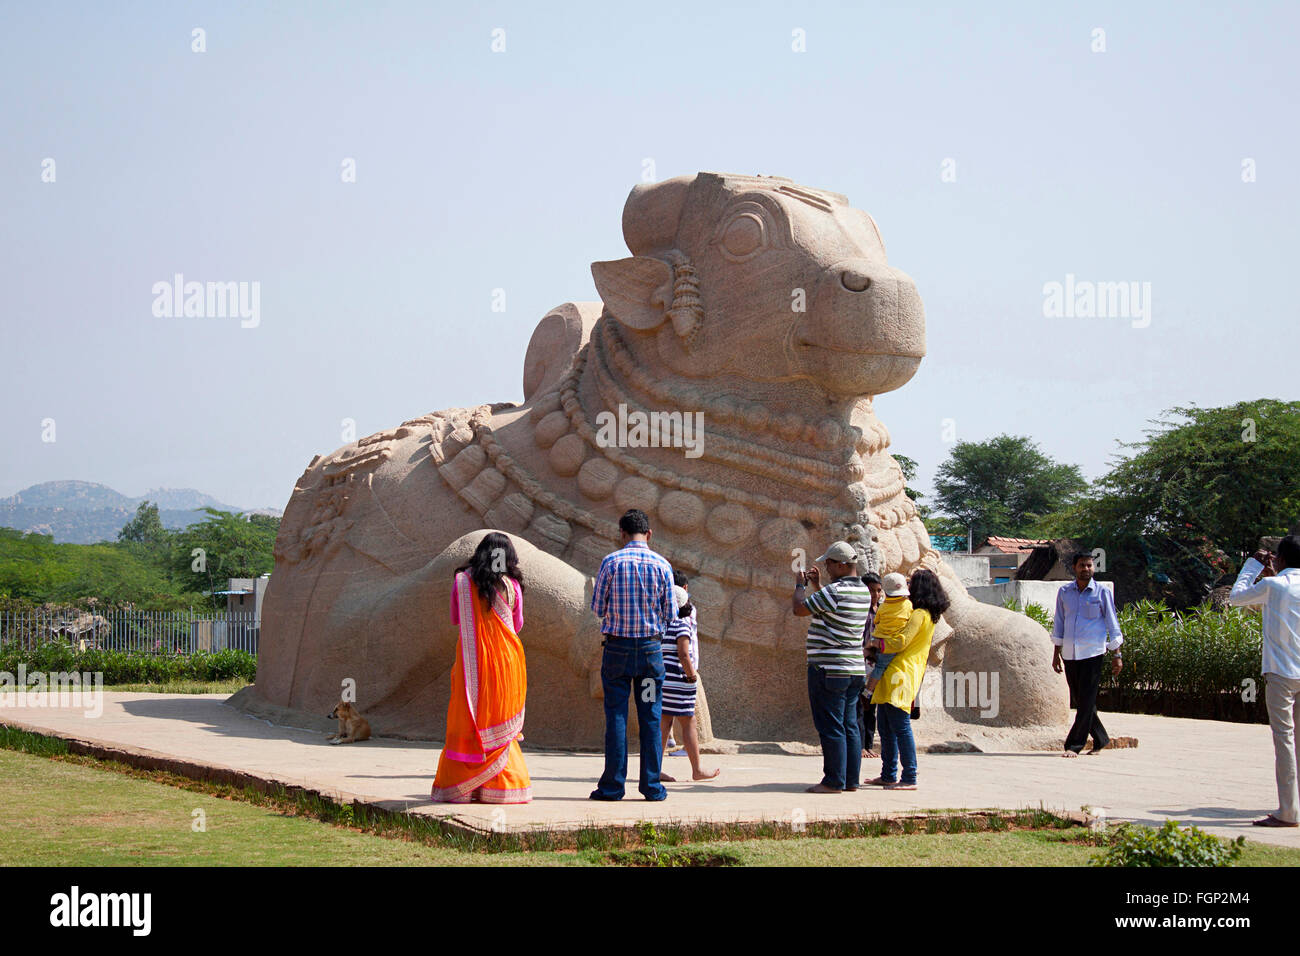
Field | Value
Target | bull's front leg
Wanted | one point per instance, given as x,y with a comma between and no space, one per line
1010,656
1004,656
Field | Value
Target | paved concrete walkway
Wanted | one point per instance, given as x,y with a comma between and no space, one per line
1216,775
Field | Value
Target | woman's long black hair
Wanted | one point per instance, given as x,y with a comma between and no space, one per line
490,553
927,594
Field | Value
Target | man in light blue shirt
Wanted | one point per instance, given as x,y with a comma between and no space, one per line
1278,589
1084,628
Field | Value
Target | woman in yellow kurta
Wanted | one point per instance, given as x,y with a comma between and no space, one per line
902,680
481,759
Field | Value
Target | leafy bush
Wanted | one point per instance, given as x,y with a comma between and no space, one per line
1196,663
1201,652
1034,612
130,667
1169,846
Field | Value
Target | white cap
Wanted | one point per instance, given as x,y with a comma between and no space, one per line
895,584
840,551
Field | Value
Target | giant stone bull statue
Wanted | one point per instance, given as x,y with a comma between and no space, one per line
765,310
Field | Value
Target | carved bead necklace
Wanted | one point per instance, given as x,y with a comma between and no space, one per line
812,473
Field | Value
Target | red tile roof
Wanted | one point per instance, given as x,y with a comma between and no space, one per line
1012,545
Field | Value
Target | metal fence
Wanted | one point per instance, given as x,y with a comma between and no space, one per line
158,632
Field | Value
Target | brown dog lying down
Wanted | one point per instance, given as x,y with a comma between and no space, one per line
352,726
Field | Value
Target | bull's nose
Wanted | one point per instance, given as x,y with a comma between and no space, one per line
855,280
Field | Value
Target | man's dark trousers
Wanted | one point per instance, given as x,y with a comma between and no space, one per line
867,723
1084,678
834,700
635,666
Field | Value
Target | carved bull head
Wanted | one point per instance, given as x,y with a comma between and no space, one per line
747,279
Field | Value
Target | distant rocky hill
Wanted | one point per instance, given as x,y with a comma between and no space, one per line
83,512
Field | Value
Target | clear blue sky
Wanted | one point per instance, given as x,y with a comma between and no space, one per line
478,171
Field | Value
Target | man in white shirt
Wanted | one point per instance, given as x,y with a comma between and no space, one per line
1278,589
1084,628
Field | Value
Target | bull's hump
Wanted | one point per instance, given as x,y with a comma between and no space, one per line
555,343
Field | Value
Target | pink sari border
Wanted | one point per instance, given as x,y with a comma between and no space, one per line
468,644
518,795
461,792
464,758
493,737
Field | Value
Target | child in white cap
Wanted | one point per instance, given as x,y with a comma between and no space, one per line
891,618
681,651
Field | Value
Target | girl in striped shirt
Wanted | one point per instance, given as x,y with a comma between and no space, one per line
681,650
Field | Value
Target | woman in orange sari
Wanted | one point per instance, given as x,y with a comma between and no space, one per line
481,759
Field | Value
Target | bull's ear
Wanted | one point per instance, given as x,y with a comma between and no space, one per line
637,291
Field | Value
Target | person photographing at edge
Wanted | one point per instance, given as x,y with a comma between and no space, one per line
1278,589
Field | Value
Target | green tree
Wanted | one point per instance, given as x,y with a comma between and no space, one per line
934,524
145,528
34,568
1188,502
1003,486
224,545
908,465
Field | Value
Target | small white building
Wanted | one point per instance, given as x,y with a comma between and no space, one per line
245,596
1042,593
243,622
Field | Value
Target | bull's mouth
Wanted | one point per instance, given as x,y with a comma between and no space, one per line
838,349
842,371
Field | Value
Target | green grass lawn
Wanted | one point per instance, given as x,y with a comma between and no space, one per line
64,813
61,814
1015,848
183,687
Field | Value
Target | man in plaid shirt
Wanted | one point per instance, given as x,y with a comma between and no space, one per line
633,596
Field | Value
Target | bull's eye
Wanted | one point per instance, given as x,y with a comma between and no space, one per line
744,236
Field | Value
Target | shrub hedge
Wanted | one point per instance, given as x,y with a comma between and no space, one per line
130,667
1202,662
1197,663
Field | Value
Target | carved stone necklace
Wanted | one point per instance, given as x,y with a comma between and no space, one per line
665,478
812,473
753,416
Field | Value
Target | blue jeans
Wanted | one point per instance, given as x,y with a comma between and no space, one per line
635,666
882,664
834,700
895,742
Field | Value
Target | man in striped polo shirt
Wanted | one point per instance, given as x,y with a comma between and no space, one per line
836,669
